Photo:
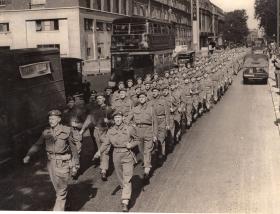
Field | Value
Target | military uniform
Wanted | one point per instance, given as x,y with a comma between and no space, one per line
146,128
215,78
187,101
176,93
209,91
97,117
62,155
163,117
173,107
195,95
123,158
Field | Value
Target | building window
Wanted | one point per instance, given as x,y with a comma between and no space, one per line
2,2
124,4
88,52
97,4
88,4
47,25
49,46
88,23
117,6
4,27
99,26
107,5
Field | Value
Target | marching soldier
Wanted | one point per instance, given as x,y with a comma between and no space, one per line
172,104
148,89
166,77
62,156
120,138
187,101
144,119
130,88
115,95
108,95
163,117
100,117
195,96
134,98
209,91
201,95
139,81
215,78
123,104
178,113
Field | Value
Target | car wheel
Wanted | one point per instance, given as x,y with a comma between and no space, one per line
265,81
245,81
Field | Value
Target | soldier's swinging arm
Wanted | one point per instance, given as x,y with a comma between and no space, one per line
36,146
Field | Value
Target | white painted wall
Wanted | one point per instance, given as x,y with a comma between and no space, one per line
23,30
49,37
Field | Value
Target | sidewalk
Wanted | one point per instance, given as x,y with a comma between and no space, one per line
274,94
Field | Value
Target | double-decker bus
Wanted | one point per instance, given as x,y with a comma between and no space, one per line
140,46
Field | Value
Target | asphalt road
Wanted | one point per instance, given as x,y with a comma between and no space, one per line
229,161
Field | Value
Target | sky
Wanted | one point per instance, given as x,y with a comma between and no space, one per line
248,5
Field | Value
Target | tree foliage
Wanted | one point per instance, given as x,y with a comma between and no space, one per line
235,26
266,13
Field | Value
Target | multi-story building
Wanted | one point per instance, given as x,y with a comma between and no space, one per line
79,28
82,28
176,11
207,23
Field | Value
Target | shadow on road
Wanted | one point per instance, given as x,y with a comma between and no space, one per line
80,194
32,192
137,185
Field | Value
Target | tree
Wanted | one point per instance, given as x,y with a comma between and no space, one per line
266,13
235,26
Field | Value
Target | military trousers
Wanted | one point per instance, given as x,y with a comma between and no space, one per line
59,171
188,109
216,93
162,134
99,134
124,165
196,102
144,138
208,103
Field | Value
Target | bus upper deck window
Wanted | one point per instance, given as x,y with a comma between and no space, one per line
138,28
119,59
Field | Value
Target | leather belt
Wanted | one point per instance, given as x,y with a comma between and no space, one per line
120,149
58,156
141,125
160,116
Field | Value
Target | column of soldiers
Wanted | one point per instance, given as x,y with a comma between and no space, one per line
140,122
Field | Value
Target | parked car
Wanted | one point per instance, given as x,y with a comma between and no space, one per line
255,67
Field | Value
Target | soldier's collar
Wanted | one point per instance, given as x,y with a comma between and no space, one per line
58,129
120,127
